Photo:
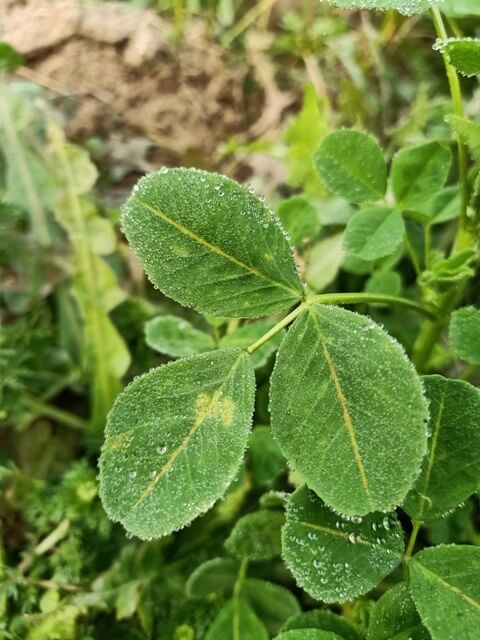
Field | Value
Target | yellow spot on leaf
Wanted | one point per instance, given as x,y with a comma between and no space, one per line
116,442
214,406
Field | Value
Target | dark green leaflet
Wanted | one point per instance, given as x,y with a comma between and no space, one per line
237,621
174,441
445,587
348,410
351,164
451,469
337,558
394,617
209,243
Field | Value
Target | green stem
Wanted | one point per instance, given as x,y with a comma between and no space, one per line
410,547
341,298
242,574
53,538
373,298
59,415
431,331
274,330
457,103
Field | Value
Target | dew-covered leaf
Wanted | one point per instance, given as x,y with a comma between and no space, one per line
351,164
451,469
209,243
348,410
394,617
272,603
446,590
300,219
176,337
374,233
325,620
249,333
407,7
266,459
174,441
460,8
464,55
464,334
256,535
337,558
213,576
418,172
237,621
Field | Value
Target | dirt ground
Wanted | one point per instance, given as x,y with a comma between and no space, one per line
117,74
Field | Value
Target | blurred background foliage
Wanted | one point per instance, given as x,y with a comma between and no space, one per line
96,95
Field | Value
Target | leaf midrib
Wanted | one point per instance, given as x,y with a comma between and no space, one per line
187,439
447,585
364,183
215,248
347,420
431,460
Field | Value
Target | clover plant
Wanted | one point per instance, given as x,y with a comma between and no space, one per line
376,448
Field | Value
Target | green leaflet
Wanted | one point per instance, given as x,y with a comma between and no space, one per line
460,8
469,133
464,55
213,576
308,634
444,206
176,337
351,164
256,535
374,233
451,470
452,269
464,334
407,7
211,244
266,459
324,261
418,172
337,558
385,283
394,617
300,219
272,603
237,621
348,410
161,467
303,135
325,620
446,590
